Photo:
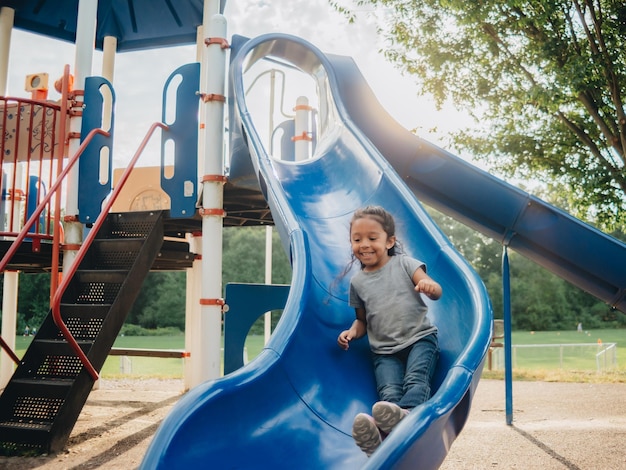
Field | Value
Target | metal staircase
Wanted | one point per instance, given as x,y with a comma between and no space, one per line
40,405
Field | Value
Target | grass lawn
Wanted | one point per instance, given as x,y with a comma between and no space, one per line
568,357
566,364
565,337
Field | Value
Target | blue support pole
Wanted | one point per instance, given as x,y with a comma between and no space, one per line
508,363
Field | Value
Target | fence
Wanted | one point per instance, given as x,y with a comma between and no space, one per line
31,149
576,356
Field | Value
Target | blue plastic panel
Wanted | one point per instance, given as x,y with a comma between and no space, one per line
94,187
182,137
246,303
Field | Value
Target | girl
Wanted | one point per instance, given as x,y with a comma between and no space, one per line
386,295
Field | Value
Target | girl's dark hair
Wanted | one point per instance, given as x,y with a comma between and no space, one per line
380,215
389,226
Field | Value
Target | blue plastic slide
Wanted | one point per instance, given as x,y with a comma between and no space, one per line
293,406
570,248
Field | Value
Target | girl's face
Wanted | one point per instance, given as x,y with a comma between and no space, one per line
370,243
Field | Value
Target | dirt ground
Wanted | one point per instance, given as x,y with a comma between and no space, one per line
114,428
555,426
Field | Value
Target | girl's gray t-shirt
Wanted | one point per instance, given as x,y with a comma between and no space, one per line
395,313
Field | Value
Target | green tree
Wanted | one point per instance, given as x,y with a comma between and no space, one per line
540,300
33,299
161,301
244,261
484,254
545,81
244,256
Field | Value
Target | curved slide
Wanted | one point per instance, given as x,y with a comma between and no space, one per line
293,406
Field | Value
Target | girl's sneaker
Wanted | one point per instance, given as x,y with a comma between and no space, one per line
387,415
365,433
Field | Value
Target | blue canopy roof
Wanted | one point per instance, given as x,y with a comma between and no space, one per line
137,24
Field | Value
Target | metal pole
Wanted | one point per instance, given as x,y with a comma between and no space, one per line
267,318
267,331
85,40
193,335
302,138
11,287
10,281
7,17
212,211
109,48
508,369
9,310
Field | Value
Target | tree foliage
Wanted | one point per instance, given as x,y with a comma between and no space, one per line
540,300
33,299
161,301
244,256
546,82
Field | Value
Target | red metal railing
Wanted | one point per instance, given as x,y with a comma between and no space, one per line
42,205
31,133
32,145
56,301
67,276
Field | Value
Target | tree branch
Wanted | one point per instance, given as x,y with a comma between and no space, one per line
598,46
616,173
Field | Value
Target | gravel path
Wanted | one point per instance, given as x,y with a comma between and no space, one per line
555,426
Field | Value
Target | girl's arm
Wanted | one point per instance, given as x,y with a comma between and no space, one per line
426,285
356,331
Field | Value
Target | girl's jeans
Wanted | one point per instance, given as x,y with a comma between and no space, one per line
404,378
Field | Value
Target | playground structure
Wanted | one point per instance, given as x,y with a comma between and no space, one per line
302,392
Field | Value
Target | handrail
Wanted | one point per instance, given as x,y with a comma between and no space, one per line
35,215
37,212
20,99
56,303
9,351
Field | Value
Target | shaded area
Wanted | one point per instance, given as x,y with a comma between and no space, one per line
114,429
137,24
142,410
547,449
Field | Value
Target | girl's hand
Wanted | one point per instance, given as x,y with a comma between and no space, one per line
356,331
428,287
344,339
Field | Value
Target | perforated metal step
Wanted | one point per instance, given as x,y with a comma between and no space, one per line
41,403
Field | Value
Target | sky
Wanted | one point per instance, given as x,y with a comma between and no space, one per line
140,76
